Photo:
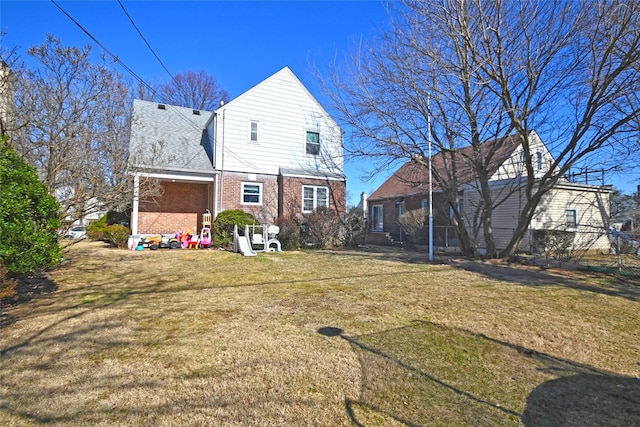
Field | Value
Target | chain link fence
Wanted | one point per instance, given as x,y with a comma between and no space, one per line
595,250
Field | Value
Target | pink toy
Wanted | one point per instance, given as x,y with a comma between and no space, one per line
205,237
192,242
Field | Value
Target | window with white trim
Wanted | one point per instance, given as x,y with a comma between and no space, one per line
400,208
314,197
539,160
424,204
571,216
253,131
251,193
313,143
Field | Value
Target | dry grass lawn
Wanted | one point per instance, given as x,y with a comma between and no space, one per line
319,338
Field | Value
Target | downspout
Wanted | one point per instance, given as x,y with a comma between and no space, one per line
222,164
215,156
136,202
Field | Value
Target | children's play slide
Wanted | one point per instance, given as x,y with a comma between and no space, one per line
242,244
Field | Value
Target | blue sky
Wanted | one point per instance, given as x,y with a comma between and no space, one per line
239,42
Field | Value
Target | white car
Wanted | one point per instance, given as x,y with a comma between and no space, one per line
76,233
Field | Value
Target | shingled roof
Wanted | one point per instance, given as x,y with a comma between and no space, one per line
170,139
412,178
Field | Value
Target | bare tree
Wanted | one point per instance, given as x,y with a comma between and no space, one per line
495,71
73,126
193,89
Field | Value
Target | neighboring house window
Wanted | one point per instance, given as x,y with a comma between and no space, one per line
376,218
572,219
424,204
400,209
539,160
313,143
251,193
253,131
314,197
452,212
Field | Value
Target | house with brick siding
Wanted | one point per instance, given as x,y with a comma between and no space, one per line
569,206
273,151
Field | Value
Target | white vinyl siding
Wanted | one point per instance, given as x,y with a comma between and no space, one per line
286,111
314,197
251,193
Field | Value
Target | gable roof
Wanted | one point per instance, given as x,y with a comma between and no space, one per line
412,178
286,73
170,138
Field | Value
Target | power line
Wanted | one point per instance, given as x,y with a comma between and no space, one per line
115,58
146,42
136,76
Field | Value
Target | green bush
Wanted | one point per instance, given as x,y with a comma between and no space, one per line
28,217
224,223
117,234
96,230
289,235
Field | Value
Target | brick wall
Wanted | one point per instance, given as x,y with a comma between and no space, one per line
232,197
180,207
291,195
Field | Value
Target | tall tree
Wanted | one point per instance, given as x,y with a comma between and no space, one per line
484,70
73,126
192,89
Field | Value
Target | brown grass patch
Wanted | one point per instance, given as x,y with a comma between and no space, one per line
207,337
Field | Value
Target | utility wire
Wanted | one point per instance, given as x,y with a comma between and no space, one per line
146,42
136,76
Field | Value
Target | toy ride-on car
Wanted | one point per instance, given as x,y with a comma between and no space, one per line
155,242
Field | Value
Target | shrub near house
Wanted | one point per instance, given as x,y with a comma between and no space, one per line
28,217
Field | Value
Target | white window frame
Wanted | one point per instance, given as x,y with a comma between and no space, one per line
377,222
306,142
243,193
572,227
251,132
539,160
424,204
315,197
400,206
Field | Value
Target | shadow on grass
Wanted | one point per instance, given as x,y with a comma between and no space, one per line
427,374
531,276
27,288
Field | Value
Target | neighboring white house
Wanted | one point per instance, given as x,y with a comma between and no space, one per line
568,206
273,151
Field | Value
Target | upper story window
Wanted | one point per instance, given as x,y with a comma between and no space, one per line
253,131
313,143
539,160
251,193
314,197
